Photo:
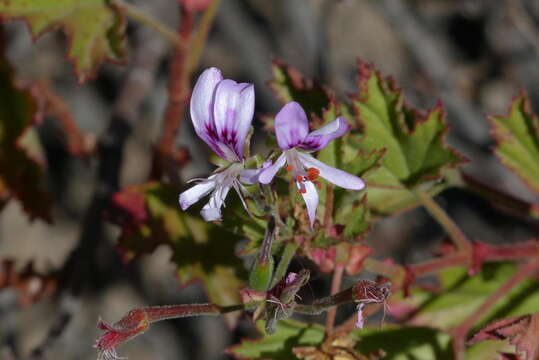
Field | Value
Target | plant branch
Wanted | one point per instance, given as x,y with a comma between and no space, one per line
457,236
144,18
335,287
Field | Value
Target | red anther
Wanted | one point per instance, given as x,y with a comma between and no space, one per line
299,178
289,168
318,185
312,174
303,190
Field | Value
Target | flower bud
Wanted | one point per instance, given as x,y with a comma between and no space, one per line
261,274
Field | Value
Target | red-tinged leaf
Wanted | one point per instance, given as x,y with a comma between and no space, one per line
416,152
517,137
94,28
149,216
290,85
21,162
521,331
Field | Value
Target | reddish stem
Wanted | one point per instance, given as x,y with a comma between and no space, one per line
462,330
178,88
335,288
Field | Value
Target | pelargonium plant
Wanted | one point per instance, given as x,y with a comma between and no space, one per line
327,162
333,166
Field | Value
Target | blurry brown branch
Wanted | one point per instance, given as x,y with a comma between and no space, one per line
78,143
81,267
524,23
184,62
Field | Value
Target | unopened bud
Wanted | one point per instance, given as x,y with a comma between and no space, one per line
261,274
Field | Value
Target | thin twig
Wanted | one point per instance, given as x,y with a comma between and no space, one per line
457,236
524,23
76,140
335,288
144,18
184,62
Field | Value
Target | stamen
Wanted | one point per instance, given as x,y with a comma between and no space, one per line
312,174
289,168
318,185
299,178
303,190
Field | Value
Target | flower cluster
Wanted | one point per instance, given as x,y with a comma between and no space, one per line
222,111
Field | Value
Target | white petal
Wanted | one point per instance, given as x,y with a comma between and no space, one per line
212,210
191,196
335,176
310,196
250,176
268,174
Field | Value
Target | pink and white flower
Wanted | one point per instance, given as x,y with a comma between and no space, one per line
222,111
292,130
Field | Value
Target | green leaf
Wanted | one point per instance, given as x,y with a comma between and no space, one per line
357,223
517,137
94,28
288,334
21,159
420,343
415,152
461,295
150,216
289,84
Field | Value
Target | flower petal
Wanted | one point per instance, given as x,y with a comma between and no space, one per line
268,173
202,104
335,176
310,196
360,319
233,112
191,196
318,139
291,125
212,210
250,176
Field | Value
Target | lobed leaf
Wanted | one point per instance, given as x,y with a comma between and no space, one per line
521,331
288,334
415,149
517,138
289,84
94,28
460,295
149,217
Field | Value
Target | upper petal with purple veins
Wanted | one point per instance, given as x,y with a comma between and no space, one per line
222,112
318,139
291,125
233,112
202,104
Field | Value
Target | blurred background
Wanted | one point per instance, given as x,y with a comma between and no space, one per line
474,55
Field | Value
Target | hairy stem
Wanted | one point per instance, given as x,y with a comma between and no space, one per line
452,229
286,257
335,287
